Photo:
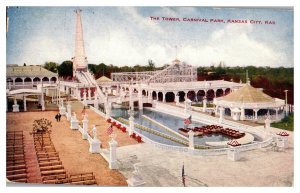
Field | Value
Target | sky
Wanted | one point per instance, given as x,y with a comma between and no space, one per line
128,36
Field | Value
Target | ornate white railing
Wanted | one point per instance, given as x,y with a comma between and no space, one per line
206,119
202,152
97,111
164,127
92,80
276,104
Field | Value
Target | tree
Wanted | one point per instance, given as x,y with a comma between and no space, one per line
66,69
51,66
40,128
151,65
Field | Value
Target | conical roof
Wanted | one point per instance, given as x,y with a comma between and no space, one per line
248,94
103,79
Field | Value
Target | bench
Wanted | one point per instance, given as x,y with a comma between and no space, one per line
53,172
55,177
15,167
56,181
23,180
85,182
47,168
51,163
81,177
16,176
48,159
14,162
13,172
48,154
14,152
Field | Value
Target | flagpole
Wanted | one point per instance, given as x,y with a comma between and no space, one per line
183,175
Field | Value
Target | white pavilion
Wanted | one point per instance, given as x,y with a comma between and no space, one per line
25,81
249,103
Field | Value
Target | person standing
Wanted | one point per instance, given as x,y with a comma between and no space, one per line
59,116
56,117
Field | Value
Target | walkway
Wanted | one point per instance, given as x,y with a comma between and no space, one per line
73,151
246,122
33,170
248,138
262,167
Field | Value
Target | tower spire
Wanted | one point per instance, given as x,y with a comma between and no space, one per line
79,60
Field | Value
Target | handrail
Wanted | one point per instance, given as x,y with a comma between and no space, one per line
92,81
154,132
164,127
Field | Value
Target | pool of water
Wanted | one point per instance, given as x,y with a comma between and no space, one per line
170,121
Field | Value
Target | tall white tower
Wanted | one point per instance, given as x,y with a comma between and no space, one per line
79,60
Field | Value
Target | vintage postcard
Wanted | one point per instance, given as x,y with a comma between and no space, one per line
150,96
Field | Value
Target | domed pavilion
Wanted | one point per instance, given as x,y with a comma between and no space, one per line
249,103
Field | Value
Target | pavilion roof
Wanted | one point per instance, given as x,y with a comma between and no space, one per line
248,94
28,71
103,79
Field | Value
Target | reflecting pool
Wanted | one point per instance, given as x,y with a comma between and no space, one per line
170,121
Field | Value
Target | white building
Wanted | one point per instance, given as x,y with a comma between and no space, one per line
249,103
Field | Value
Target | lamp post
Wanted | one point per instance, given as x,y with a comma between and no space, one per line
131,103
286,104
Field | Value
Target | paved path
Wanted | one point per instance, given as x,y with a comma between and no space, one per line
262,167
34,174
72,149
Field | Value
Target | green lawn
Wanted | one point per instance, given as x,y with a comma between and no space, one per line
287,123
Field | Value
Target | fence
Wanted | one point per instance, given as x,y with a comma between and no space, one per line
202,152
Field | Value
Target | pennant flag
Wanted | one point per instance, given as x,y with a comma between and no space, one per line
188,120
83,110
183,176
109,130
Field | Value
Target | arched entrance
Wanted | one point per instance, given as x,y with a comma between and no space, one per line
210,95
36,80
53,79
181,95
45,80
154,95
219,93
200,95
18,81
227,112
191,95
227,91
170,97
27,80
160,96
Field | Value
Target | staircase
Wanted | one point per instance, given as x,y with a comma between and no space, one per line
89,79
80,76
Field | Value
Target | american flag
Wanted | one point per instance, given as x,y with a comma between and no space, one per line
183,176
188,121
83,110
109,130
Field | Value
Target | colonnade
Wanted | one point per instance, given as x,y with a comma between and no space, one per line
253,113
179,96
18,81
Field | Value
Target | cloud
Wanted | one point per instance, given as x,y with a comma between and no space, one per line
143,23
129,37
232,45
235,46
43,48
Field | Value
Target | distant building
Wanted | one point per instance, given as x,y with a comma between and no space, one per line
28,76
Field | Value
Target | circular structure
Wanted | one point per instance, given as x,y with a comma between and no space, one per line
249,103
